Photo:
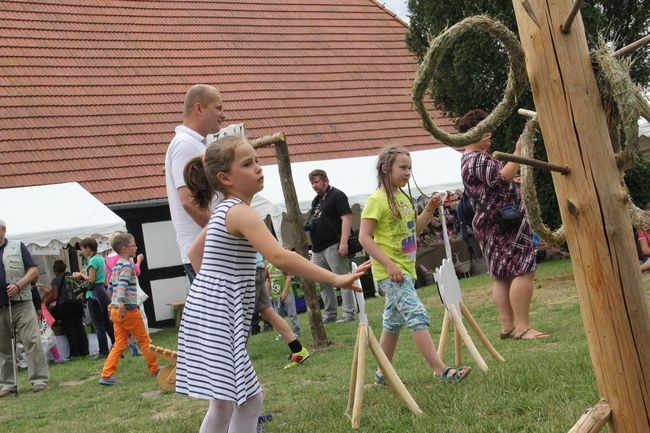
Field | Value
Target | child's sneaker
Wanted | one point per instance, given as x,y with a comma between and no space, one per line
379,378
297,358
135,351
108,381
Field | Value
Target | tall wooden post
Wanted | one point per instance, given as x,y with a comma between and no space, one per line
591,201
297,231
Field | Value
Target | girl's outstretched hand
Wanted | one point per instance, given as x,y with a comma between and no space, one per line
347,281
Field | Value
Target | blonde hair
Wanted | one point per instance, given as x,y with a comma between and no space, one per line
200,173
121,240
385,162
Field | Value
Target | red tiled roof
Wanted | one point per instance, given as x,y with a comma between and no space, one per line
91,91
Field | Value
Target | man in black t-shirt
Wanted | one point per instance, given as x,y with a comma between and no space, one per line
329,225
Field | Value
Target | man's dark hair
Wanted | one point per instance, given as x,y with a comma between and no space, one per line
319,173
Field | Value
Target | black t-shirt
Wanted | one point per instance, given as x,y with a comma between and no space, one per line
326,213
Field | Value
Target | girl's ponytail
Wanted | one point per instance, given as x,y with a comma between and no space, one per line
197,183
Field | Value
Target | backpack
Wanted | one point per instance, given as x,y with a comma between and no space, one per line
464,210
70,291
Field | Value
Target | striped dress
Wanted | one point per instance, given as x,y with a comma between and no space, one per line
212,359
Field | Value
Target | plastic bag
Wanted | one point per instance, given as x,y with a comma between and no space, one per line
48,339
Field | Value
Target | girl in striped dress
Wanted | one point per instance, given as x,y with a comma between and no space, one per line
212,360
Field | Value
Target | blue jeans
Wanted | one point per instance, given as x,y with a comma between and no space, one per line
101,324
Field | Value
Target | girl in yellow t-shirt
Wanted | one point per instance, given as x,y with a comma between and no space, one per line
389,229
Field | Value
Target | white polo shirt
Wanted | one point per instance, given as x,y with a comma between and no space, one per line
185,145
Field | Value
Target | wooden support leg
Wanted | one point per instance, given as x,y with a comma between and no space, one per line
458,355
391,377
593,420
481,335
460,328
362,338
353,376
444,332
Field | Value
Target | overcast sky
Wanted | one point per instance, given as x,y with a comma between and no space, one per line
397,6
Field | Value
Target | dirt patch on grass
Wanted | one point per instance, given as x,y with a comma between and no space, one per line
77,382
168,414
152,394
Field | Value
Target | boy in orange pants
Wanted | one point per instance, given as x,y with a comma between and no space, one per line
125,312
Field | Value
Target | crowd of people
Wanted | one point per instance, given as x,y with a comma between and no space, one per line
237,269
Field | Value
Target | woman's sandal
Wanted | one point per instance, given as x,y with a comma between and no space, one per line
538,336
506,335
453,375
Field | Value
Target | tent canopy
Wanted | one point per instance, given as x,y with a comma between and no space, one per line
47,217
434,170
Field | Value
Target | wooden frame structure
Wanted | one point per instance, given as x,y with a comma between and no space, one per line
455,310
279,142
592,204
366,338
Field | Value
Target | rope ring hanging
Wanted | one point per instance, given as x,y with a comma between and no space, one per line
517,78
529,193
617,89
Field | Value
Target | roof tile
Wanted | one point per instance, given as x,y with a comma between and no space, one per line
92,92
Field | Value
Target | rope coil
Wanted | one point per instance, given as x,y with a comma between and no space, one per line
621,100
517,78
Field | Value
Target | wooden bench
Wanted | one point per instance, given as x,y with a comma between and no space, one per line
177,306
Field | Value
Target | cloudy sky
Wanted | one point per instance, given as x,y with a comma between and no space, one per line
397,6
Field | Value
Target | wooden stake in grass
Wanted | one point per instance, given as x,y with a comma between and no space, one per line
365,338
451,297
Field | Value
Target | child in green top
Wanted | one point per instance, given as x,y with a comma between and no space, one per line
97,298
388,233
278,283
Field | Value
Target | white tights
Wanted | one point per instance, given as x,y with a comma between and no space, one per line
224,416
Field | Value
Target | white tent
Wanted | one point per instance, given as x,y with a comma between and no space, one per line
434,170
47,217
644,138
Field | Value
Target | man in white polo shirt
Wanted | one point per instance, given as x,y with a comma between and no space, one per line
202,115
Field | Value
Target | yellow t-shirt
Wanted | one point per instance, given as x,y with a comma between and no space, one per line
395,237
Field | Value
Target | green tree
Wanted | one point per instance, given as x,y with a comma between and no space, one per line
473,72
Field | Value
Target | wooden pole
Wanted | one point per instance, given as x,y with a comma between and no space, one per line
502,156
390,376
462,334
597,224
362,337
294,219
481,335
566,27
353,376
593,420
444,333
633,46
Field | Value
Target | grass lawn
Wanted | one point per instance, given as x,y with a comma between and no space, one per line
543,386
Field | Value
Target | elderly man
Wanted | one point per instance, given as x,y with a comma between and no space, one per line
329,226
17,271
202,115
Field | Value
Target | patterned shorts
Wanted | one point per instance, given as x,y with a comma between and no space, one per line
402,306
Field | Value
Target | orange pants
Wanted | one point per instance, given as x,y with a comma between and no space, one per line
133,325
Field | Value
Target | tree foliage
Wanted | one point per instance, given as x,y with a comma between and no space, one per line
473,72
